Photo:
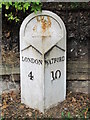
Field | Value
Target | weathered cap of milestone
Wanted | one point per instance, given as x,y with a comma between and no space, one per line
42,31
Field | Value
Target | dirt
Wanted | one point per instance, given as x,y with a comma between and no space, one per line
76,105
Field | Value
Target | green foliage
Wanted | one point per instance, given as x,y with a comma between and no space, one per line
0,5
11,17
2,118
66,117
36,7
19,6
62,114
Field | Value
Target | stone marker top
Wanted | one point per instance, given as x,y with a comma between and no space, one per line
42,31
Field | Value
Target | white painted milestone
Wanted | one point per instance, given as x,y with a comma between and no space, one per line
43,60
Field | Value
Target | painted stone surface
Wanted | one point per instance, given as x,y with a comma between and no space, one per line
43,60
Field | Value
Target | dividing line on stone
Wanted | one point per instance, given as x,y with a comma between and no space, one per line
60,48
53,47
32,47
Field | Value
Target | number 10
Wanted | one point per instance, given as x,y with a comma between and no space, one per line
55,75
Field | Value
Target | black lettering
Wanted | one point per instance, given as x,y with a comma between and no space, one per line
32,60
22,59
28,59
52,75
40,62
59,59
54,60
63,58
36,61
30,75
49,61
46,62
55,75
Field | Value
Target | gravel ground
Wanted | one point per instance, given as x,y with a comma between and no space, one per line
76,105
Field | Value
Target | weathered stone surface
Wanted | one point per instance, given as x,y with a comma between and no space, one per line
79,86
43,60
8,86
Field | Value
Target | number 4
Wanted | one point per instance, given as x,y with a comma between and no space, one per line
30,75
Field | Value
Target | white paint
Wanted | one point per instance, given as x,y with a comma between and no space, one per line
42,38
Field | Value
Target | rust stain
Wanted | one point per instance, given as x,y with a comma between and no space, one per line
37,19
46,24
42,18
49,22
35,28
